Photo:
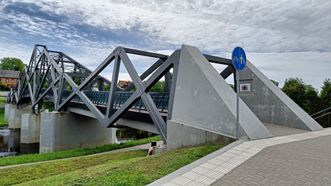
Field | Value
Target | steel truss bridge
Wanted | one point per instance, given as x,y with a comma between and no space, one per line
56,77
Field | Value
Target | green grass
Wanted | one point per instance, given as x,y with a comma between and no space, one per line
3,99
126,168
3,122
28,158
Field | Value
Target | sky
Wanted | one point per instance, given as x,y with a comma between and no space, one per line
282,38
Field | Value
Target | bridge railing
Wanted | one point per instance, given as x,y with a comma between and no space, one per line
100,98
323,117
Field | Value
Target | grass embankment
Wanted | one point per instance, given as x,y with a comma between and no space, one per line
3,122
126,168
28,158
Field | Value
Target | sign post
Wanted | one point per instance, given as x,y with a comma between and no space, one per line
239,63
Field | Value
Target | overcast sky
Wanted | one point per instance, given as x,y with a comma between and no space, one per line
283,38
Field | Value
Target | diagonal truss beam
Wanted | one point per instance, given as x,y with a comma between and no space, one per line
50,67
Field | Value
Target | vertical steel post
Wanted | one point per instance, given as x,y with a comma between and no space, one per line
113,87
237,107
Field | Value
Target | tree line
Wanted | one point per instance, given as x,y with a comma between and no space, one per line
308,97
11,63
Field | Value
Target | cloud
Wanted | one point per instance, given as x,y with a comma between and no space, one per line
259,26
284,33
312,67
13,50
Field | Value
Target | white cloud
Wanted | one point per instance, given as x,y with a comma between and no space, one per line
13,50
312,67
258,25
294,31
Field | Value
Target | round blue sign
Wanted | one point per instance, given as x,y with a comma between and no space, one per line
239,58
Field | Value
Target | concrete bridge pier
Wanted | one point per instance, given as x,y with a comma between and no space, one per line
14,115
8,107
61,131
30,132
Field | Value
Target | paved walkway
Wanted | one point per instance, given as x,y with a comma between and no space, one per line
285,160
306,162
278,130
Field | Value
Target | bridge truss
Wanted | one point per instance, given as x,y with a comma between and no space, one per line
56,76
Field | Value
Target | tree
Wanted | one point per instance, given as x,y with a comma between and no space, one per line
295,89
275,82
10,63
312,102
306,96
326,93
158,87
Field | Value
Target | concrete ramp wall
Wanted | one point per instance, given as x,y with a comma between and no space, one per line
270,104
203,100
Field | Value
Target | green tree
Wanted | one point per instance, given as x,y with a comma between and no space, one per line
326,93
11,63
312,102
158,87
306,96
107,87
275,82
295,89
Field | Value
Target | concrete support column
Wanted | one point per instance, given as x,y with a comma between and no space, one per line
30,133
61,131
30,128
14,116
8,107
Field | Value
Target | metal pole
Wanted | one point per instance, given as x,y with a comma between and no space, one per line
237,107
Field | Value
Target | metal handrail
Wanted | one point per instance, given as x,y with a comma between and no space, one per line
321,111
317,117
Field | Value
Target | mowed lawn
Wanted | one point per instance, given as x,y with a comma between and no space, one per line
125,168
30,158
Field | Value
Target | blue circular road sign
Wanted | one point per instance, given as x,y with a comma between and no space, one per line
239,58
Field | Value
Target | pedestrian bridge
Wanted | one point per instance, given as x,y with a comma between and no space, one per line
197,104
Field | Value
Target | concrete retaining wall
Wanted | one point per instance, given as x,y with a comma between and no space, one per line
181,135
61,131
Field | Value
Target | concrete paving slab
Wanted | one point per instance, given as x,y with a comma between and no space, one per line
294,154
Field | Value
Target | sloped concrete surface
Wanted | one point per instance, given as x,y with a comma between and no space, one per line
271,104
204,100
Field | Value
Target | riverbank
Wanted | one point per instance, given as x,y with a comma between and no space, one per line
123,168
29,158
3,122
